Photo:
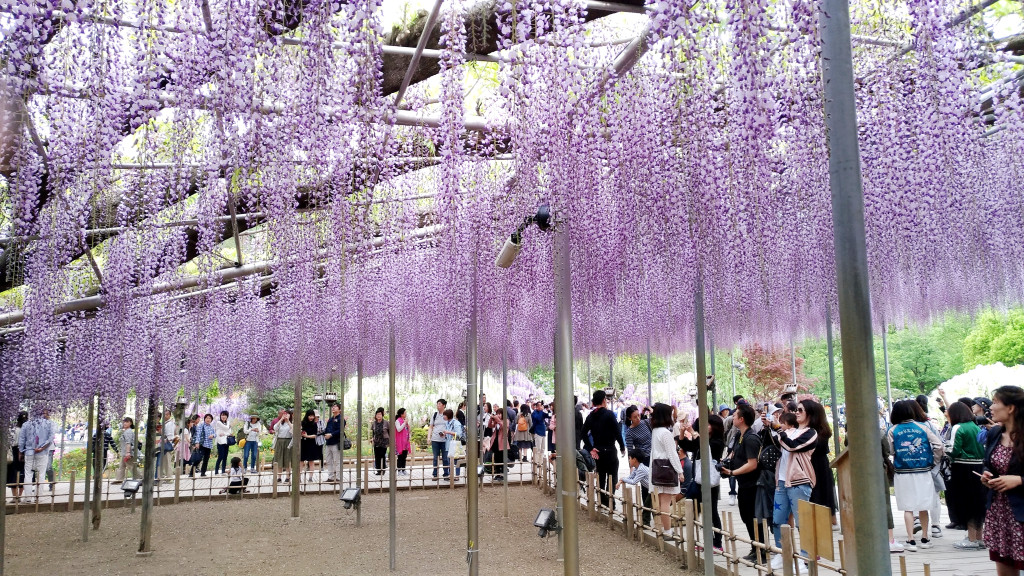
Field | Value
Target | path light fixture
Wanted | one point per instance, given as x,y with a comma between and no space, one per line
331,398
547,521
318,397
609,392
131,487
514,243
350,496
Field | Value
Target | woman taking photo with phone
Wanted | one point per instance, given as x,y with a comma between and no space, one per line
1004,465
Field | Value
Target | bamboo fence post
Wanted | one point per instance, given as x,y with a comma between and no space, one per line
730,549
592,499
903,565
787,550
627,505
689,524
927,569
273,487
842,555
71,493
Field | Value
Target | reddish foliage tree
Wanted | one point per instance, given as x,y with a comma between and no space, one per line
771,371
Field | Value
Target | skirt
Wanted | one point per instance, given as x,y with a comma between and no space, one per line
966,498
522,437
915,492
282,453
311,451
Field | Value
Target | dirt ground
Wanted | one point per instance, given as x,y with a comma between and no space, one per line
257,537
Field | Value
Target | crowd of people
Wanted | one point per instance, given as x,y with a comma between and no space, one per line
771,455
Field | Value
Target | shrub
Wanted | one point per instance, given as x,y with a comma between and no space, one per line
418,436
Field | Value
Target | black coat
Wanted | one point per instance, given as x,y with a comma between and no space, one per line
1016,468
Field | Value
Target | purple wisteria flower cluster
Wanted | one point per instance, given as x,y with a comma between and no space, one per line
224,191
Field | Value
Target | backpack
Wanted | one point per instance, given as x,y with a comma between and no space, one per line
522,425
912,452
588,461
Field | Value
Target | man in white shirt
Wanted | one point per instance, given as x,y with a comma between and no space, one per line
35,443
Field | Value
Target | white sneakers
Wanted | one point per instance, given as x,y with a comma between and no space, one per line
732,499
895,547
776,562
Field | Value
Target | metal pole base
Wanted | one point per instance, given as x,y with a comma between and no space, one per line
144,554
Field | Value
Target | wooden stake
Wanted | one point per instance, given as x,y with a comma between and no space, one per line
90,447
903,565
787,550
592,492
627,506
690,525
71,493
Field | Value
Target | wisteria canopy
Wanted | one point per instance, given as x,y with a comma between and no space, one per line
226,191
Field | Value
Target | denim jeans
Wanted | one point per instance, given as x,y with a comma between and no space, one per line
785,504
439,450
252,448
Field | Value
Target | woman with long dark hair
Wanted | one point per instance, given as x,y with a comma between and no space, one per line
16,468
965,495
824,491
309,450
1004,467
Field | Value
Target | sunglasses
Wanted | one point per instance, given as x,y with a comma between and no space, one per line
799,409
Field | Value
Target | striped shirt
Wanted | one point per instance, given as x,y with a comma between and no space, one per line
639,475
639,436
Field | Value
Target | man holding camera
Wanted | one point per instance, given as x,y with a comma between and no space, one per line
743,466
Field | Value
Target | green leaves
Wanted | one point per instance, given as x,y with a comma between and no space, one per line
995,338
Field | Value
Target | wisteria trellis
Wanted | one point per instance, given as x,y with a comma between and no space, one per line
711,152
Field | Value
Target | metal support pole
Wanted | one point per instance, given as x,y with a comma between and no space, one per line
3,492
590,393
297,444
63,433
359,435
149,451
611,371
472,442
885,359
392,458
872,550
89,447
344,433
568,495
792,360
705,447
650,393
505,424
832,378
99,452
732,369
714,391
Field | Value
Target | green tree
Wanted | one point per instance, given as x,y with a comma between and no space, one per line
995,338
268,403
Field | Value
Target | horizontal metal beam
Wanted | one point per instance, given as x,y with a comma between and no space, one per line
225,274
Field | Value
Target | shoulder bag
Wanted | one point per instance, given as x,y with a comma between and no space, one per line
663,474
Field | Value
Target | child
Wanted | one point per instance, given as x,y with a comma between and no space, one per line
236,479
787,421
640,474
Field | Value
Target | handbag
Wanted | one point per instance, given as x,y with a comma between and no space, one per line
663,474
716,475
346,444
231,440
168,446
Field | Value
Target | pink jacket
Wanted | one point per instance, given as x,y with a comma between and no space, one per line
402,444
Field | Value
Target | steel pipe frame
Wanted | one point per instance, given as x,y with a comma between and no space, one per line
392,457
872,551
832,378
472,441
568,496
98,301
704,426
